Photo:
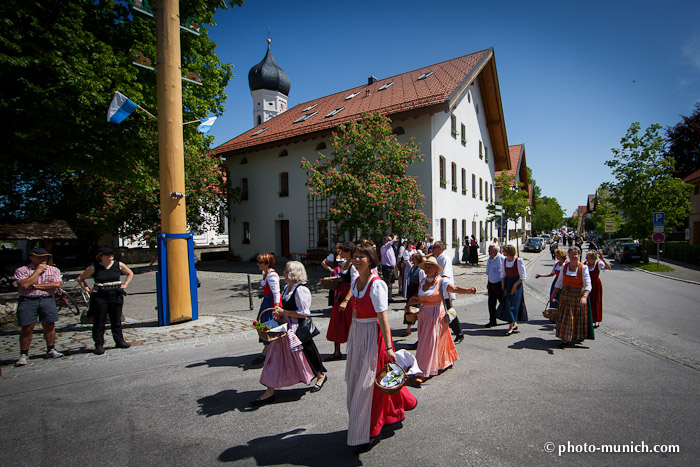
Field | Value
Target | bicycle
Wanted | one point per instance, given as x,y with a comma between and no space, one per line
79,295
64,300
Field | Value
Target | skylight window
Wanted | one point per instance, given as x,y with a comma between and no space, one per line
260,131
352,95
425,75
386,86
334,112
305,117
309,108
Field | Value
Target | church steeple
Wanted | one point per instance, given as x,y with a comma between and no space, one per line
269,87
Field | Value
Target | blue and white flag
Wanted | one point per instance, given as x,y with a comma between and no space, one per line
120,108
206,124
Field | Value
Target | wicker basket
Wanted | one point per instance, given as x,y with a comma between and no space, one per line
331,283
550,313
411,315
383,372
267,335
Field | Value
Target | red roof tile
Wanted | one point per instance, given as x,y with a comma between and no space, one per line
407,93
692,178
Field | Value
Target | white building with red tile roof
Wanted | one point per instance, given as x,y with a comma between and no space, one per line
452,108
518,170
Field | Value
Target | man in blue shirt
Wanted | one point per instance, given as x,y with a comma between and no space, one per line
494,266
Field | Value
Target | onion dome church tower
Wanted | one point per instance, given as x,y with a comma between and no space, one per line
269,87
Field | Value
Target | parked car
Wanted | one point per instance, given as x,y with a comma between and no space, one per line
534,244
547,238
610,250
629,252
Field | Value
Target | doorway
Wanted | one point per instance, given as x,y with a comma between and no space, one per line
284,238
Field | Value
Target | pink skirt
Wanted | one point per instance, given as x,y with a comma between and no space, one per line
283,367
436,351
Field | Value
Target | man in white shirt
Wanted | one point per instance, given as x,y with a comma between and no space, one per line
446,263
494,266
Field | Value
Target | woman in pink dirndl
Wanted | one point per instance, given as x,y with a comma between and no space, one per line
370,347
285,363
436,351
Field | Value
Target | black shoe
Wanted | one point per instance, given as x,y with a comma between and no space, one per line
459,339
362,448
562,345
510,331
318,387
99,349
122,344
261,402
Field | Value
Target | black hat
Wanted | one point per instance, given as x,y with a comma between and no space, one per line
39,252
105,250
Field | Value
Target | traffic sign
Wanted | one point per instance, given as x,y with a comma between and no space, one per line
610,225
658,237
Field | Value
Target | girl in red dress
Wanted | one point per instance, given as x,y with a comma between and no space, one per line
595,298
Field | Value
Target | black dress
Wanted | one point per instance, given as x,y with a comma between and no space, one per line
108,300
309,347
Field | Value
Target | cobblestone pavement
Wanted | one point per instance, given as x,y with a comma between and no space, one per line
224,314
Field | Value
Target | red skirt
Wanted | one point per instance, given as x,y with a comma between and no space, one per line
388,409
339,325
595,298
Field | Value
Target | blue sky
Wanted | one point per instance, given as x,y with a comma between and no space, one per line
573,76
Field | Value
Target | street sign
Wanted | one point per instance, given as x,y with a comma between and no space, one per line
498,211
610,225
658,237
659,221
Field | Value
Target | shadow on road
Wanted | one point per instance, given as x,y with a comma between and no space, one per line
295,448
230,400
536,343
243,362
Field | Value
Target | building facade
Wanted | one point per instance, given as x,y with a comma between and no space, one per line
452,109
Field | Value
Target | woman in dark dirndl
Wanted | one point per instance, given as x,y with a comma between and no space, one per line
596,263
512,309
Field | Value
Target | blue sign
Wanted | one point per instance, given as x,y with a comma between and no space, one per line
659,218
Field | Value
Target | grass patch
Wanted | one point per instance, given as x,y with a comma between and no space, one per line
652,266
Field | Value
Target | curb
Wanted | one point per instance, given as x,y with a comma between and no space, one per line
667,277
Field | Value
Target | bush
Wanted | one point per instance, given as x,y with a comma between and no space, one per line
682,251
213,255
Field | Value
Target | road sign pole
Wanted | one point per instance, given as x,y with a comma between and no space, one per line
658,247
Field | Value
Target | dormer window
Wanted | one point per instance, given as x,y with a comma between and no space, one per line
260,131
354,94
304,117
334,112
424,75
386,86
309,108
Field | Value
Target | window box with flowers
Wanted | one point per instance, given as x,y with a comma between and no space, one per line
443,183
464,141
454,187
464,191
454,133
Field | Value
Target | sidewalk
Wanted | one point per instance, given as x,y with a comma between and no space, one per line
682,271
224,314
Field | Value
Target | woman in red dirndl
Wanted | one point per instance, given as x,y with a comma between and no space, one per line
595,298
341,315
370,347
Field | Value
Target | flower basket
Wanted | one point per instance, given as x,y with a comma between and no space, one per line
391,379
264,331
550,313
411,314
331,283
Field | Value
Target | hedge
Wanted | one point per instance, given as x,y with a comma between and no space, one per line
682,251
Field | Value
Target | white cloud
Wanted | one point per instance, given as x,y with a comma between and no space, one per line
691,51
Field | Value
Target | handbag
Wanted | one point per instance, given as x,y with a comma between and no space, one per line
306,330
450,312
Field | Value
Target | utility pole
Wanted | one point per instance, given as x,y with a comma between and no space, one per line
171,157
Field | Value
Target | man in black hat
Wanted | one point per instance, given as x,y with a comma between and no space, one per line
37,283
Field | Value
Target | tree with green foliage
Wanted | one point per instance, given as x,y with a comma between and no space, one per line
60,64
366,182
604,209
644,182
684,143
512,198
546,214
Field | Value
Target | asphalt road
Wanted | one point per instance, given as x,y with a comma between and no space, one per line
506,398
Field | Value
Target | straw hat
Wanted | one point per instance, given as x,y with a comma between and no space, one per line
430,260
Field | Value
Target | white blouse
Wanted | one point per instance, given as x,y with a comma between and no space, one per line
558,267
424,293
408,255
509,264
379,293
598,264
302,298
273,280
584,273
